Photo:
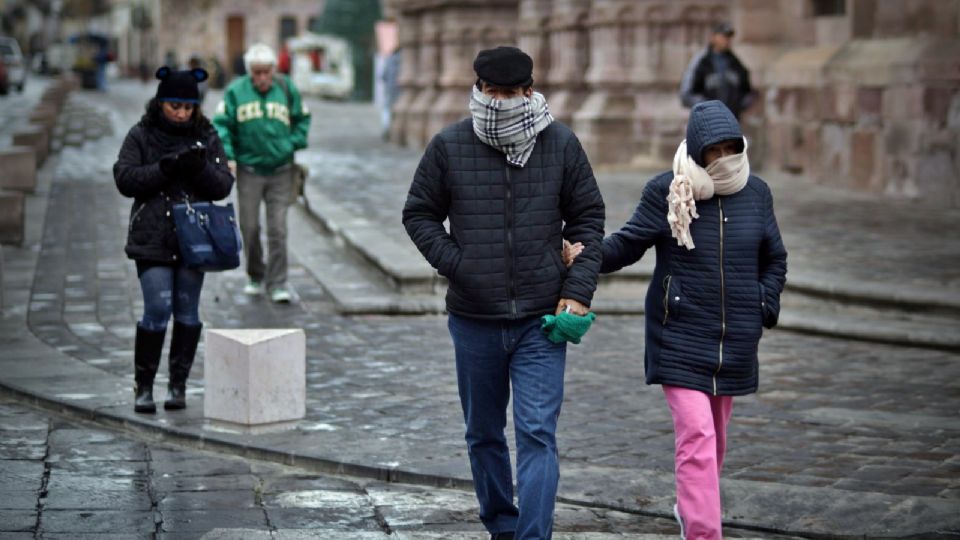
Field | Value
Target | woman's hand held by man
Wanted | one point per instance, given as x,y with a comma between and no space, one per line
570,252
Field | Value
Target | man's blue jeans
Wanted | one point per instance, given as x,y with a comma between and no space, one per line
490,356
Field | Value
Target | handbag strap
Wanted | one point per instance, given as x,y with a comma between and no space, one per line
204,222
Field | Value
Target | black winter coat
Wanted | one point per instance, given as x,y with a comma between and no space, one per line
151,237
502,255
706,307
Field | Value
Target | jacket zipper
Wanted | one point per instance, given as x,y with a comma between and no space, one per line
666,299
723,297
512,293
136,213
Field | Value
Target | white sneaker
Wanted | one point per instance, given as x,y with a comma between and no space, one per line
280,295
676,515
253,288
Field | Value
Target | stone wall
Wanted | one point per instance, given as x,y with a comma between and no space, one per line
865,97
200,26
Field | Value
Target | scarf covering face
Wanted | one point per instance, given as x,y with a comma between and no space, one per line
692,183
510,125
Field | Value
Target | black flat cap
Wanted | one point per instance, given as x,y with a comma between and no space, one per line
507,67
723,28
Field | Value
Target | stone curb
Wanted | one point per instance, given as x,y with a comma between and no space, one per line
404,265
422,296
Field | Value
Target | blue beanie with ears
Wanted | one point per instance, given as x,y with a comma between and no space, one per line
180,86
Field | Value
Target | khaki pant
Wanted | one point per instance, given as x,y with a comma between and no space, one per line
275,191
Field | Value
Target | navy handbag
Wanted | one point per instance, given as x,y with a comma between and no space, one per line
208,235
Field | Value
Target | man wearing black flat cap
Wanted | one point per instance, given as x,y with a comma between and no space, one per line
513,183
717,73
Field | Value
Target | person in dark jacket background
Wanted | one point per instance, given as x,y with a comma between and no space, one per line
717,73
721,266
513,184
173,153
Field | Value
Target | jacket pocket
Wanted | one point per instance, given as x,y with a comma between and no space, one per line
673,299
768,314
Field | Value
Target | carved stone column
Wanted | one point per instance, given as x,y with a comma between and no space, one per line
409,29
668,34
427,75
533,38
569,56
604,123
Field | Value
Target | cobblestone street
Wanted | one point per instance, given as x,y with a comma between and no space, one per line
62,478
846,438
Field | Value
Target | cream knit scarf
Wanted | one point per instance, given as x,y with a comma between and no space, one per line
510,125
692,183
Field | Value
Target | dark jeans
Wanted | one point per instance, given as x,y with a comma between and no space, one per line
490,356
170,290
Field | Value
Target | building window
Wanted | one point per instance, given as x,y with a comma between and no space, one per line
288,28
314,23
829,8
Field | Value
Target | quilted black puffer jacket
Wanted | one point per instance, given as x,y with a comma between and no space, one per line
706,307
151,236
507,224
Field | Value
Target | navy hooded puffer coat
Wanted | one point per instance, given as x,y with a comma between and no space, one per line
706,307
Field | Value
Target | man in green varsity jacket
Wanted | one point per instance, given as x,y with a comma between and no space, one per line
262,122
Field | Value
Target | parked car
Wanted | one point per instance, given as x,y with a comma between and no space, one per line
4,80
13,58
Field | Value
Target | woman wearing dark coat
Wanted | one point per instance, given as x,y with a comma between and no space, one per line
720,269
173,153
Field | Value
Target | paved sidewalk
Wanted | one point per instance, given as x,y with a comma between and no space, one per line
63,478
844,439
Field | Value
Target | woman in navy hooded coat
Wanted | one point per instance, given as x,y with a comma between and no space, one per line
721,266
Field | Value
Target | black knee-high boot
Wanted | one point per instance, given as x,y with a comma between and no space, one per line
147,349
183,347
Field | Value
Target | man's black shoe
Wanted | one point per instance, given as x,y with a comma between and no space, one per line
502,536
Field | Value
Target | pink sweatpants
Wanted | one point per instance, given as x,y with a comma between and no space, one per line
700,426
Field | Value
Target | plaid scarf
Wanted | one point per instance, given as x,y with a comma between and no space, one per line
510,125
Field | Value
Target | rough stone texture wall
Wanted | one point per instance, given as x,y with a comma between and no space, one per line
868,99
877,110
200,27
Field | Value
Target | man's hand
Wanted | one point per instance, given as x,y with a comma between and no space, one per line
575,307
232,165
570,252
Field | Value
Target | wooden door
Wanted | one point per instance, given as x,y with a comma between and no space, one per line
235,44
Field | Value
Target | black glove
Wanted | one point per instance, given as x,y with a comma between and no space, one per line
191,162
168,165
186,164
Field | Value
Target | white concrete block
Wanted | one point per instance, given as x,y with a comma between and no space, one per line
255,376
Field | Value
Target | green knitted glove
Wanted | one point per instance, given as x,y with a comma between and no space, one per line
567,326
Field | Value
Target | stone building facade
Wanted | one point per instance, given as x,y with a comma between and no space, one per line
863,94
220,29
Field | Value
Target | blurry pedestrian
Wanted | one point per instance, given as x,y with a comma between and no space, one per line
721,267
283,60
513,184
173,153
717,73
170,59
100,59
391,90
263,121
